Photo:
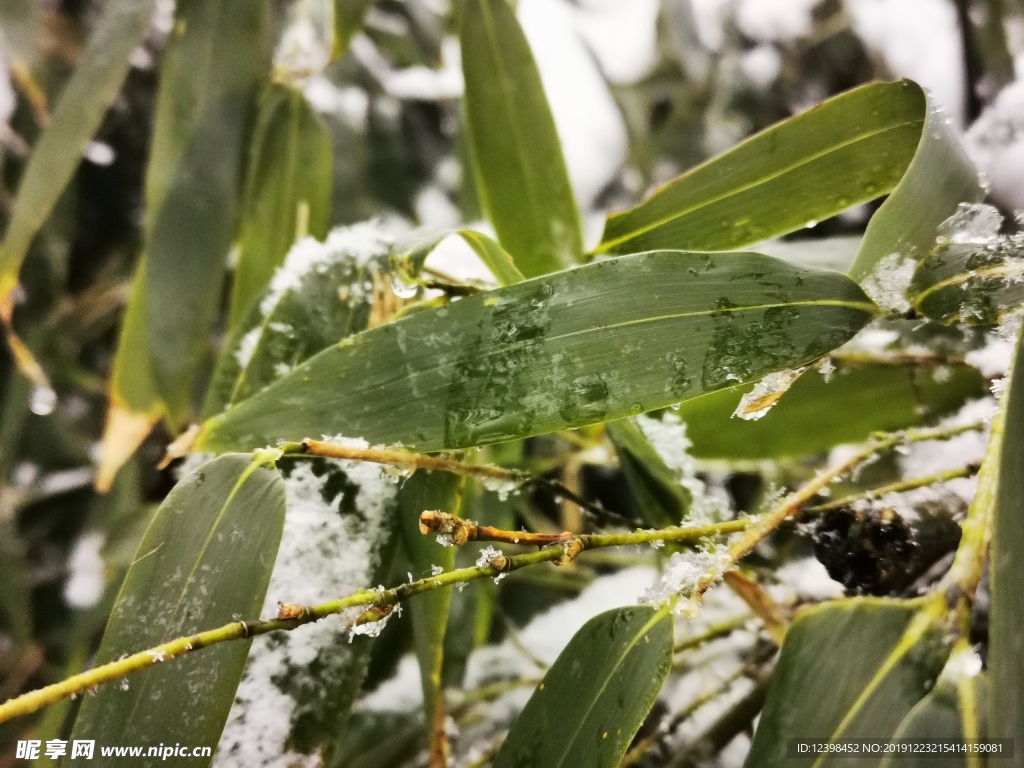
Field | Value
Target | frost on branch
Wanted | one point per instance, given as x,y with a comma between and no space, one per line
684,573
298,685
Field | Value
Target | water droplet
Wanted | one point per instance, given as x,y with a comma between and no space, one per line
42,401
585,398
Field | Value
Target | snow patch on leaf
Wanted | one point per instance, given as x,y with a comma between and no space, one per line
297,684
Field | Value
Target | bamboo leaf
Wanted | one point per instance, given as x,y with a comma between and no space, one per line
337,539
517,157
975,283
134,405
950,711
205,560
349,20
873,140
872,398
494,257
596,695
287,190
211,70
323,293
661,500
849,669
82,104
596,343
1006,620
429,491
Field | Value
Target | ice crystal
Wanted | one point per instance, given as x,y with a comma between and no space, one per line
972,224
436,570
758,401
500,486
827,369
685,571
887,283
486,555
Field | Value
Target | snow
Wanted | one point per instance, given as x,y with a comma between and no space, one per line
86,580
589,123
683,573
996,143
761,65
324,554
765,394
775,20
305,44
919,39
668,438
972,224
887,283
359,242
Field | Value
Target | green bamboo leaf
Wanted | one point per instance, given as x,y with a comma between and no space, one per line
596,695
950,711
600,342
337,539
1006,620
82,104
849,669
872,398
660,498
287,190
134,403
494,257
873,140
205,560
209,78
349,20
976,283
521,174
324,292
434,491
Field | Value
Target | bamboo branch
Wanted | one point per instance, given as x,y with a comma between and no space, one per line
901,486
379,604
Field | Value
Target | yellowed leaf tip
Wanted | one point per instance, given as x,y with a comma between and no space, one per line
181,447
124,432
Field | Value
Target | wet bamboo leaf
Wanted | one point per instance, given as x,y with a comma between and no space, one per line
600,342
215,57
287,191
871,141
954,710
83,102
517,157
661,500
872,398
205,560
324,292
1006,620
442,492
596,695
849,669
975,283
349,19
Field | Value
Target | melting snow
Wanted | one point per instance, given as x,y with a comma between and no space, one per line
85,583
888,282
324,554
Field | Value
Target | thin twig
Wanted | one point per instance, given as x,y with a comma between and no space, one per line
378,604
901,486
